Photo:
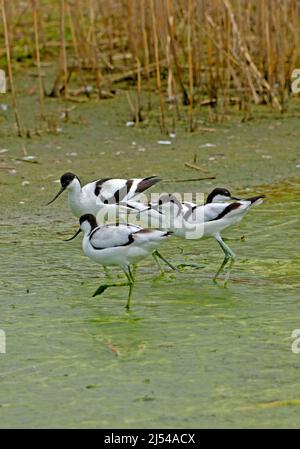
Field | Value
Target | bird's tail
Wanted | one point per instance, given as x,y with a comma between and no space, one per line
151,235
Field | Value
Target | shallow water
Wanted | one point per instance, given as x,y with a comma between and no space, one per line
188,354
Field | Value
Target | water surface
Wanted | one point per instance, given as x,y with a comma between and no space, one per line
188,354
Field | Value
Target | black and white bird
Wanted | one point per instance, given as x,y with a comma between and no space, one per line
192,221
91,197
154,211
215,218
119,244
217,195
107,196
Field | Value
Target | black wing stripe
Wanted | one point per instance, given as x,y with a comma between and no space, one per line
99,184
93,232
226,211
120,194
190,212
130,240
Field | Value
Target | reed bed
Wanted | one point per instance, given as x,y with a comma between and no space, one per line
176,57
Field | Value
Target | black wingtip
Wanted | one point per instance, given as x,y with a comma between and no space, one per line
154,179
146,183
253,199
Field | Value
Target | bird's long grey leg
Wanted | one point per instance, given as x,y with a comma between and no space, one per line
133,271
229,255
158,263
130,274
103,287
107,272
222,266
157,253
232,260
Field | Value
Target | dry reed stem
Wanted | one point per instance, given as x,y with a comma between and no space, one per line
208,51
146,50
64,54
35,8
185,97
190,65
138,93
245,52
9,67
98,75
75,41
157,64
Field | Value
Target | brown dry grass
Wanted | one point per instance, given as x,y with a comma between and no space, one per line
195,53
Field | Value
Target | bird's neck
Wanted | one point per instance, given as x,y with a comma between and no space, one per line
209,199
74,189
216,199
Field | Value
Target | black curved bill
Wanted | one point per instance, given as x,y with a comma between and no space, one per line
56,196
235,198
75,235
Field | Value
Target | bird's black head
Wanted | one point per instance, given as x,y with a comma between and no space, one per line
66,179
87,224
90,219
219,195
